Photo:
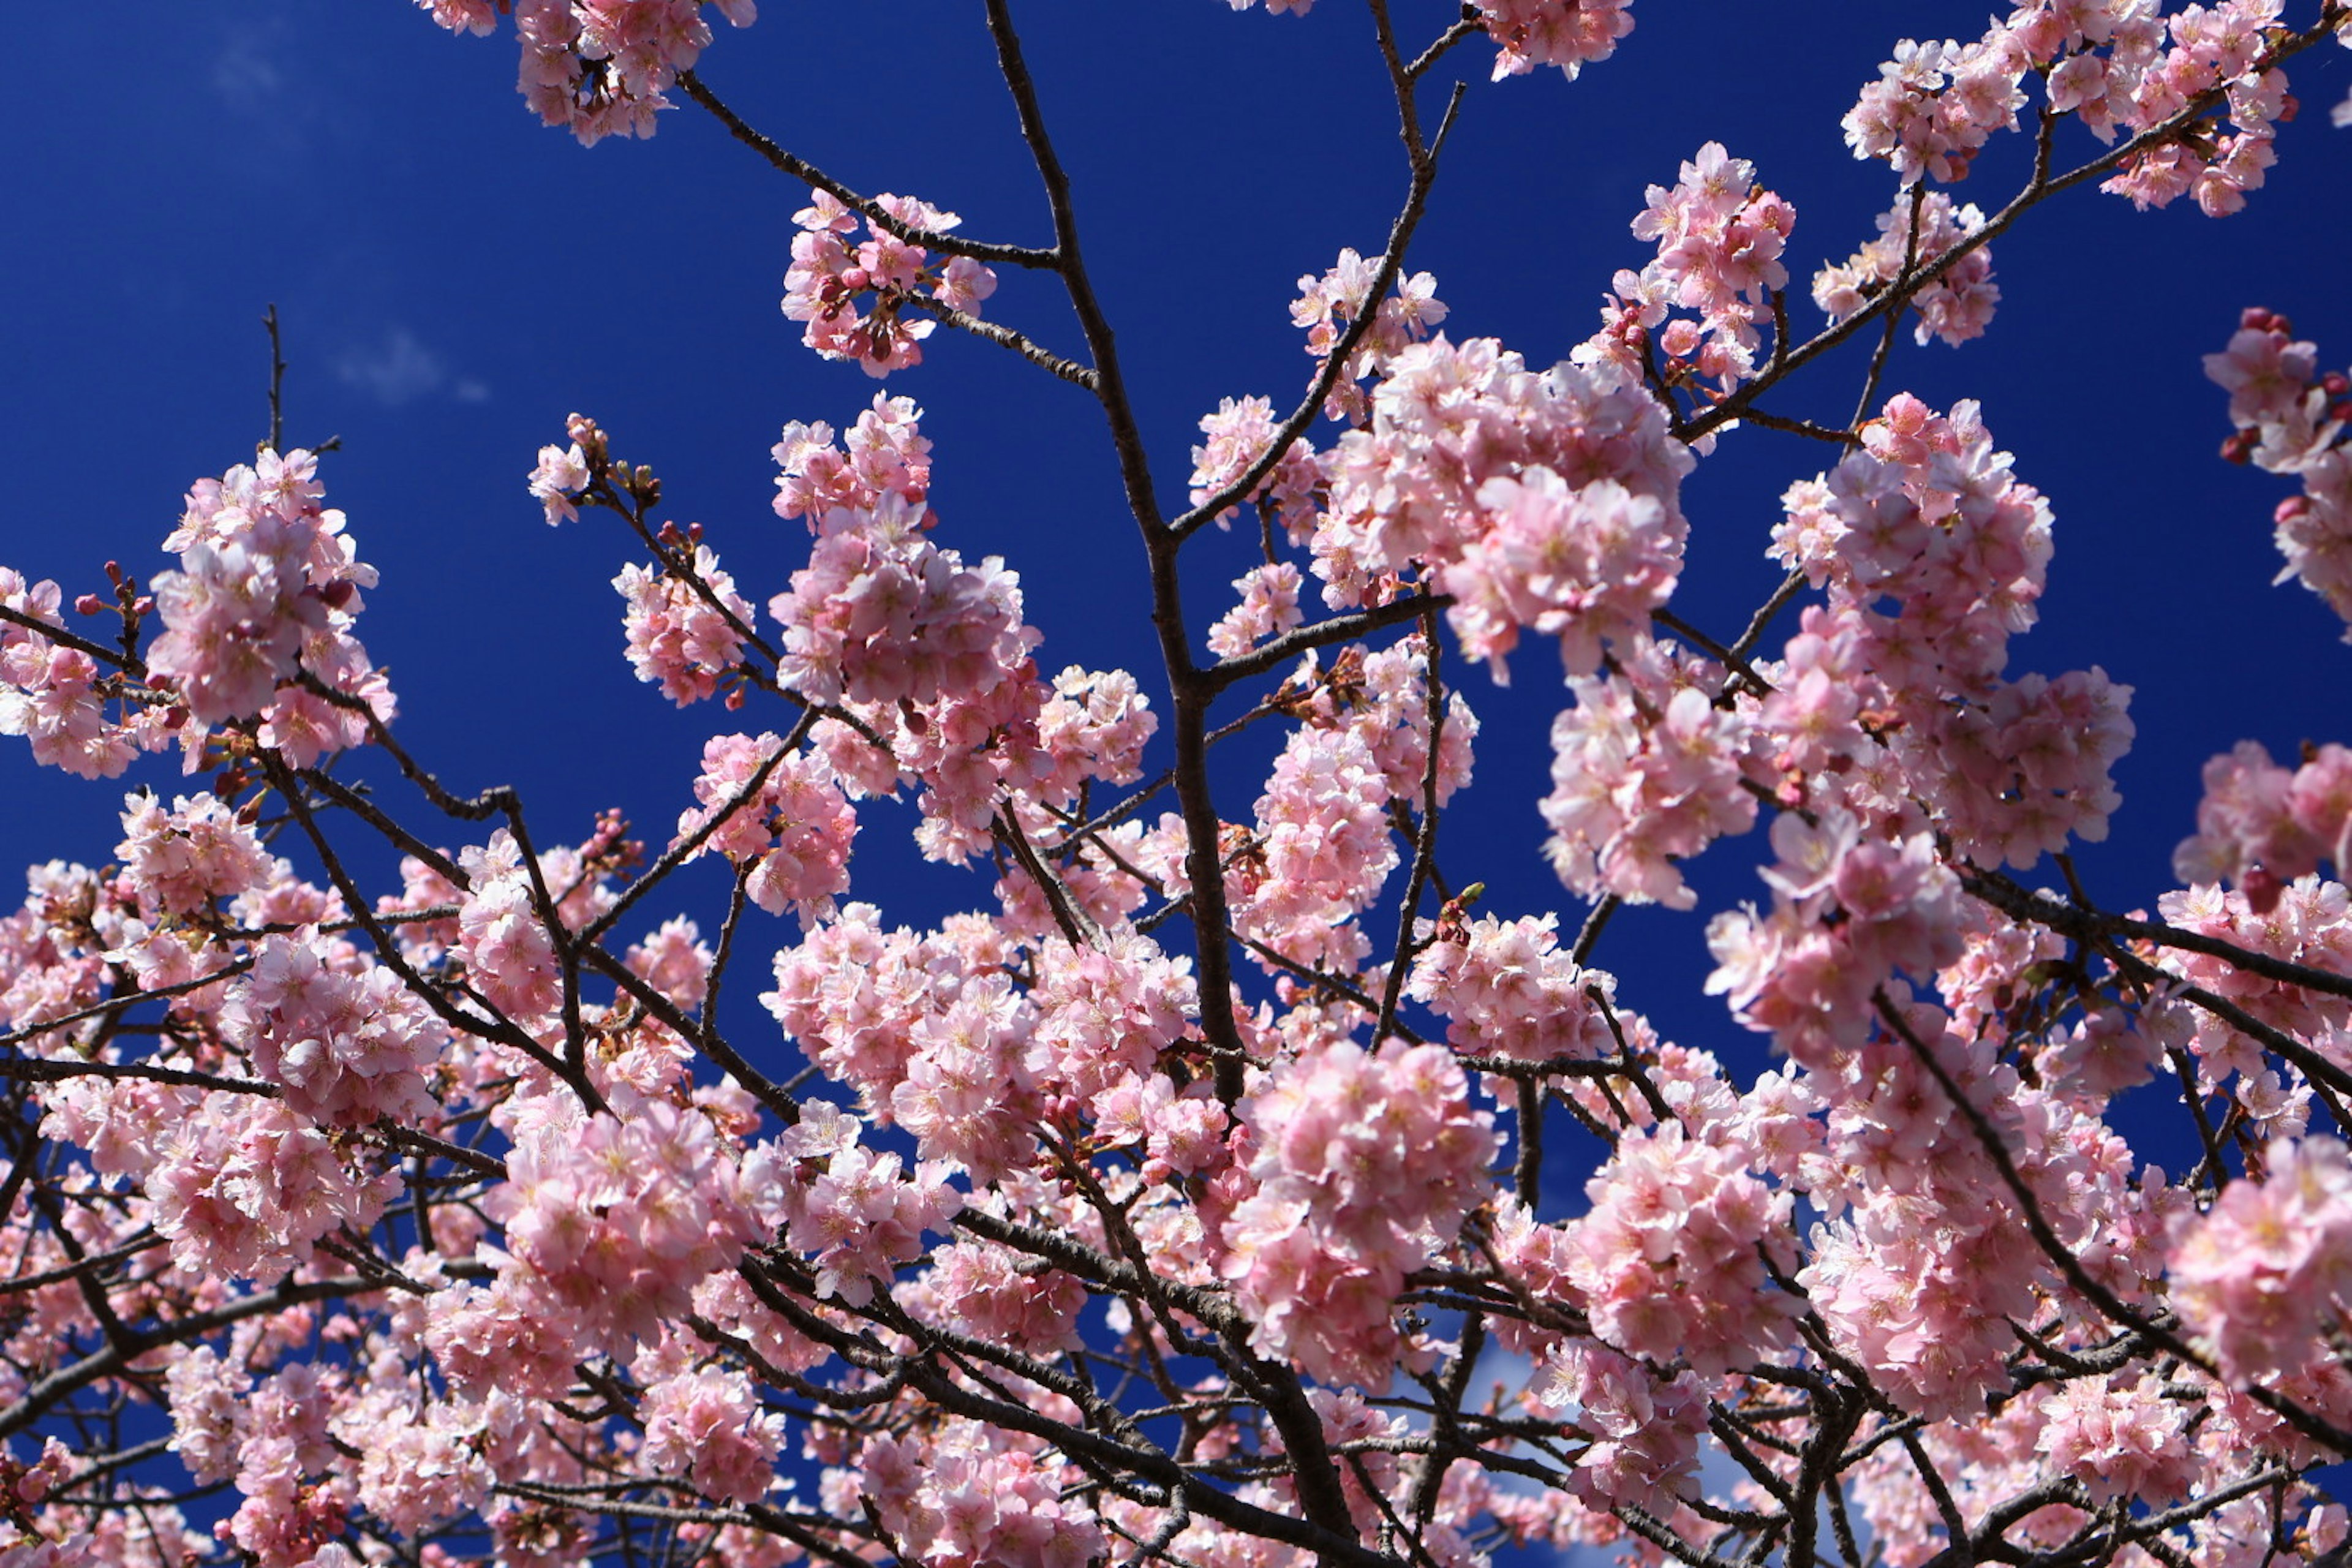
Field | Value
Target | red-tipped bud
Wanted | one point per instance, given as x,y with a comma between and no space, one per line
2239,448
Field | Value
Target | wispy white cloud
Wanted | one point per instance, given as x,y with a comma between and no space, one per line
246,72
400,369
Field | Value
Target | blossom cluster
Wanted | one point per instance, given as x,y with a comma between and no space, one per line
1594,478
1914,237
833,275
2293,419
685,628
1325,310
2107,64
2270,1264
55,695
602,67
881,614
779,816
2261,827
1365,1162
267,590
1720,238
257,627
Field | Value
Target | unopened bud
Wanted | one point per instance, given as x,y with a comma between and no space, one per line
89,604
2263,889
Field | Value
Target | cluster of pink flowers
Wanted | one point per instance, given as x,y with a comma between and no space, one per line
2214,48
929,656
243,1188
858,1215
1365,1162
1417,487
1383,699
831,275
2308,921
267,594
1327,306
1322,850
1641,1429
414,1474
1507,989
852,994
1268,607
968,1494
929,1031
1107,1010
789,834
509,954
1240,430
1928,517
563,472
2120,1437
181,859
1669,1263
295,1500
1092,727
612,1224
602,68
2265,1271
685,630
1958,306
1647,769
1848,912
1935,105
2293,419
341,1036
1582,564
709,1428
1719,238
997,1294
2261,827
55,695
884,453
1569,34
2105,62
881,614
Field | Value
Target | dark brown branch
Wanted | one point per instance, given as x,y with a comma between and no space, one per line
1323,634
801,169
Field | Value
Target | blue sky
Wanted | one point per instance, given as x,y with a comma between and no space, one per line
454,280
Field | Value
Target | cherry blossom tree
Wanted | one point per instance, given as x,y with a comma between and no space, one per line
1188,1201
